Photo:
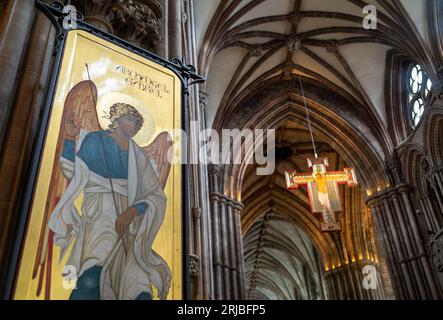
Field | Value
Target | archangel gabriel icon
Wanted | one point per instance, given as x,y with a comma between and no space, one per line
322,189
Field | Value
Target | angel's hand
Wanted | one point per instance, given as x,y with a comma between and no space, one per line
72,125
124,220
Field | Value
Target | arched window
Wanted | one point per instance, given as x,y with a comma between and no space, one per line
418,86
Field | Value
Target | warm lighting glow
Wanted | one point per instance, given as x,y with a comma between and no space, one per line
323,189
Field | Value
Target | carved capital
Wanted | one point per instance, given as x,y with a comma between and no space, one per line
394,163
203,98
137,21
194,266
403,188
213,170
435,252
373,203
196,213
393,194
239,206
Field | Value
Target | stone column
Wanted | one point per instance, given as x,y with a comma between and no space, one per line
240,251
431,221
232,249
225,250
411,257
175,29
196,215
24,119
14,33
214,172
439,179
399,249
182,30
386,244
404,192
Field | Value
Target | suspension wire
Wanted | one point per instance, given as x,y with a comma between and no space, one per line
307,116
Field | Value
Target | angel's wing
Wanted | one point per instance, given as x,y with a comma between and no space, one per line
82,101
158,151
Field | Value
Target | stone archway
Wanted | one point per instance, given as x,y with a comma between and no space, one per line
279,106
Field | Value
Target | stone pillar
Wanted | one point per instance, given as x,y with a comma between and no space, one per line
404,192
346,283
14,33
24,120
175,29
196,215
399,249
181,30
374,204
225,250
214,172
411,257
429,214
240,252
232,249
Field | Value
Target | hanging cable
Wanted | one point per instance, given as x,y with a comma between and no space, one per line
307,116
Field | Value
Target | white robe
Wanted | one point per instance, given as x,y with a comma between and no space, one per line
125,275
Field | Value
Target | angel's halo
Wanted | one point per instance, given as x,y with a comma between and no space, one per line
104,103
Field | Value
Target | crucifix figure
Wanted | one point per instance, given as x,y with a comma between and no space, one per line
323,190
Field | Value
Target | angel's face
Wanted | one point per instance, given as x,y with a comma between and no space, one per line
129,124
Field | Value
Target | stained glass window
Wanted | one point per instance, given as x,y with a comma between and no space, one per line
419,87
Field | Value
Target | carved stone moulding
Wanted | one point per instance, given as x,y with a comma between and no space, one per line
194,266
137,21
435,252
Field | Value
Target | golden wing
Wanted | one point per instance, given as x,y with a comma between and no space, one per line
158,151
81,102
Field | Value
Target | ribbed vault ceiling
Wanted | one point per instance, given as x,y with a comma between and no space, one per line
281,262
248,45
252,40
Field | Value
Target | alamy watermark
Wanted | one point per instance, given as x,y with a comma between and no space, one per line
230,147
70,20
370,20
370,277
69,277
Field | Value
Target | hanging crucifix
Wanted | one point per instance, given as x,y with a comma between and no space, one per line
323,190
322,186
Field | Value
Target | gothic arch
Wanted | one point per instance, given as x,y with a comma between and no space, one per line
285,205
279,102
413,156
